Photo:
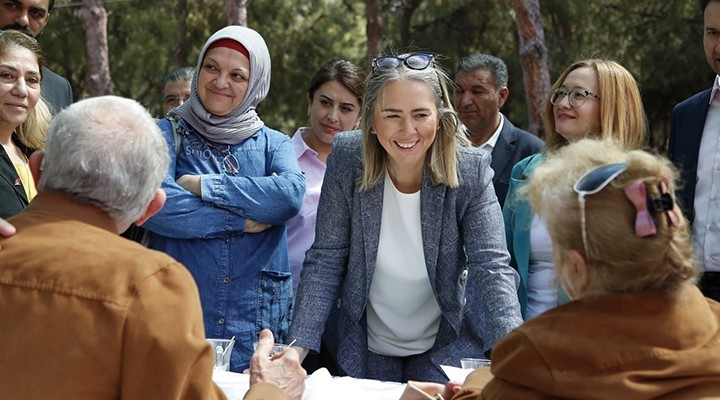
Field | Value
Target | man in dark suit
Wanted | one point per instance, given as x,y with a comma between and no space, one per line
695,150
481,92
31,17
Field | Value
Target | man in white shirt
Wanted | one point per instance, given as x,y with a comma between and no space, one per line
481,92
695,149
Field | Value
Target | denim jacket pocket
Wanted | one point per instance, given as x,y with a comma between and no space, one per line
275,303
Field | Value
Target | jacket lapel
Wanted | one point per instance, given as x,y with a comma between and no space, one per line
503,150
371,202
9,174
431,206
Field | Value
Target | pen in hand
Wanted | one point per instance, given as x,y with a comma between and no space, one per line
278,355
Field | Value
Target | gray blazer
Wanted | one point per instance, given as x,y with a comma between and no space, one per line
465,252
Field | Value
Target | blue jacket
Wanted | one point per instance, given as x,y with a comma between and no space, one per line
518,217
244,278
465,256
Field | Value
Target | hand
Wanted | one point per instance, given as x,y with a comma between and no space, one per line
6,229
191,183
284,371
454,386
255,227
426,390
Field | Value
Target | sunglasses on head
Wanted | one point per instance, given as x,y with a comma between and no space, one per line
416,61
593,182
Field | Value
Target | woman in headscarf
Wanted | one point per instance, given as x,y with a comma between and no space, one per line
231,186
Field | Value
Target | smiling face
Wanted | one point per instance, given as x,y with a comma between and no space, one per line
575,123
28,16
332,109
223,80
19,86
406,120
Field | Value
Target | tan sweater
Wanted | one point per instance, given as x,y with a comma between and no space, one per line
645,346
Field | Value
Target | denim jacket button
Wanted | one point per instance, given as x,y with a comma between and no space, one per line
464,274
221,321
226,279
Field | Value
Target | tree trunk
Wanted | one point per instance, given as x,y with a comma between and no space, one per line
409,7
180,52
534,60
94,19
374,28
237,12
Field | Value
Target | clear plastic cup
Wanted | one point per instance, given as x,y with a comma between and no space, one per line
222,349
474,363
277,348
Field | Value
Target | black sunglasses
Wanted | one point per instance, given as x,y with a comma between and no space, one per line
416,61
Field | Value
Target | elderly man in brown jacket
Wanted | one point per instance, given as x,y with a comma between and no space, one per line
86,314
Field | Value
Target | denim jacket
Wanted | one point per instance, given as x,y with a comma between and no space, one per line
244,278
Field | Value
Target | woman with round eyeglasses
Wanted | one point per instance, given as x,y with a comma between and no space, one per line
409,269
232,184
24,118
591,98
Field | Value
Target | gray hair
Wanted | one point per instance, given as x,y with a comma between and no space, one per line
442,154
485,62
184,74
106,151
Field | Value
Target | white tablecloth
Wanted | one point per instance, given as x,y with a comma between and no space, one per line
319,386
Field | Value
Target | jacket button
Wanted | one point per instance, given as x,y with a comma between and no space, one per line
221,321
464,274
226,279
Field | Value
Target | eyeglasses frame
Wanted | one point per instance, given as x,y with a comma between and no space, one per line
568,94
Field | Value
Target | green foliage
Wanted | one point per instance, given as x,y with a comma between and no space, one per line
659,41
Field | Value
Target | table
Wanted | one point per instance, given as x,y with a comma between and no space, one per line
319,386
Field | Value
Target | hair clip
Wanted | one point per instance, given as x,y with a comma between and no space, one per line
644,223
669,206
647,206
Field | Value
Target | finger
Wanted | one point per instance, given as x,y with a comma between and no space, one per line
6,229
454,386
266,340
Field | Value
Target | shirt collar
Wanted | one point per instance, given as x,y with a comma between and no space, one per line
301,148
490,144
716,87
